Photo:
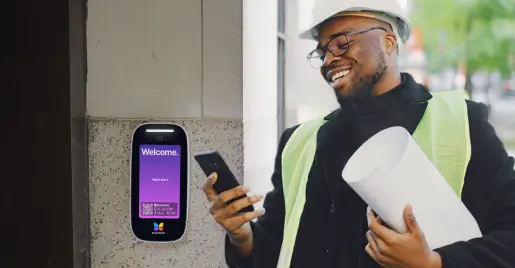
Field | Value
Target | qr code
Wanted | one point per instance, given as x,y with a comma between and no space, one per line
147,209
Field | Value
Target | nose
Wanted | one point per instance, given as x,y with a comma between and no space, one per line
329,59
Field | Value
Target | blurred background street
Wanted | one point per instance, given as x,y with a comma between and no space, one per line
470,45
497,93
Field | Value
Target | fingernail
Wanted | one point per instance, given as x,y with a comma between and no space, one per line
411,214
257,197
410,209
245,189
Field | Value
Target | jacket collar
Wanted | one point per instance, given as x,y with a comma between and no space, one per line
414,92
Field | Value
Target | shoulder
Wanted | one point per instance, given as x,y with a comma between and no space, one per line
479,125
285,136
314,122
487,148
477,111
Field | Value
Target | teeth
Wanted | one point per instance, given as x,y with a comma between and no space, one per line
340,75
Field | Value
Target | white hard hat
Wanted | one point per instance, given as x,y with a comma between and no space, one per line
388,11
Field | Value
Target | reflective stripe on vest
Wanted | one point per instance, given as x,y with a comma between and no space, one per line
442,133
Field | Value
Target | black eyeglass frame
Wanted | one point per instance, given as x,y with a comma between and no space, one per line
324,49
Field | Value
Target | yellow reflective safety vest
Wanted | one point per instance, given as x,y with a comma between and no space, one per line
443,134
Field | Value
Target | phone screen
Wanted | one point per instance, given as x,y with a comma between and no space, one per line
160,181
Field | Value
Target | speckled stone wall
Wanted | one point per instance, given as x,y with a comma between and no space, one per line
112,242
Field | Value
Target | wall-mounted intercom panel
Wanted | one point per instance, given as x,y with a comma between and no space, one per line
159,182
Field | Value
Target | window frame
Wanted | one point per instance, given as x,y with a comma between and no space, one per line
281,67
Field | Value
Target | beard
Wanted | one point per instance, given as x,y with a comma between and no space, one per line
362,86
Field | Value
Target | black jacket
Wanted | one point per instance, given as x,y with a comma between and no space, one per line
333,224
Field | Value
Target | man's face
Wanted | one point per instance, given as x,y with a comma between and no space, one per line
355,73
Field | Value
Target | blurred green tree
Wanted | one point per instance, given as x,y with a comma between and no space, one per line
478,34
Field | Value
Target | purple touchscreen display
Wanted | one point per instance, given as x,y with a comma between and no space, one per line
160,181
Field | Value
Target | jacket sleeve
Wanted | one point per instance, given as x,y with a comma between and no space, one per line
268,229
489,194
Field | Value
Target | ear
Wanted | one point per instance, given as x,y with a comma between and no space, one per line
390,42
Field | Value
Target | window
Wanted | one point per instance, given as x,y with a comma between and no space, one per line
281,22
281,60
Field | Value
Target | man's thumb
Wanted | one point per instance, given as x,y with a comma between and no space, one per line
410,219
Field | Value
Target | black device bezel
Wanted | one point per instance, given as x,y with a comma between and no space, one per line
174,228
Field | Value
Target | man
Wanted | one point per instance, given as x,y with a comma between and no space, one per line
357,55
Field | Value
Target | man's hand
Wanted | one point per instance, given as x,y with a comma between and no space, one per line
393,250
236,224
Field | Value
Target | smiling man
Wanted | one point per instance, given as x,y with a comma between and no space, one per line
313,218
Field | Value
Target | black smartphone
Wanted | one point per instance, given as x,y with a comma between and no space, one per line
159,182
212,161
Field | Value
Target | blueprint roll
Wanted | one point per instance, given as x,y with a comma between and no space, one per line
390,171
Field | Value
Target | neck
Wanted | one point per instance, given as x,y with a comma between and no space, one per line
387,83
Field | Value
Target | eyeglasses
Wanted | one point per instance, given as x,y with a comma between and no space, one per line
337,46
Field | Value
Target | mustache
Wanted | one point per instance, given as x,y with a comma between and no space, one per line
325,70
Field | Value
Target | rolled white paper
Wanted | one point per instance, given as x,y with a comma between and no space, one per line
390,171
